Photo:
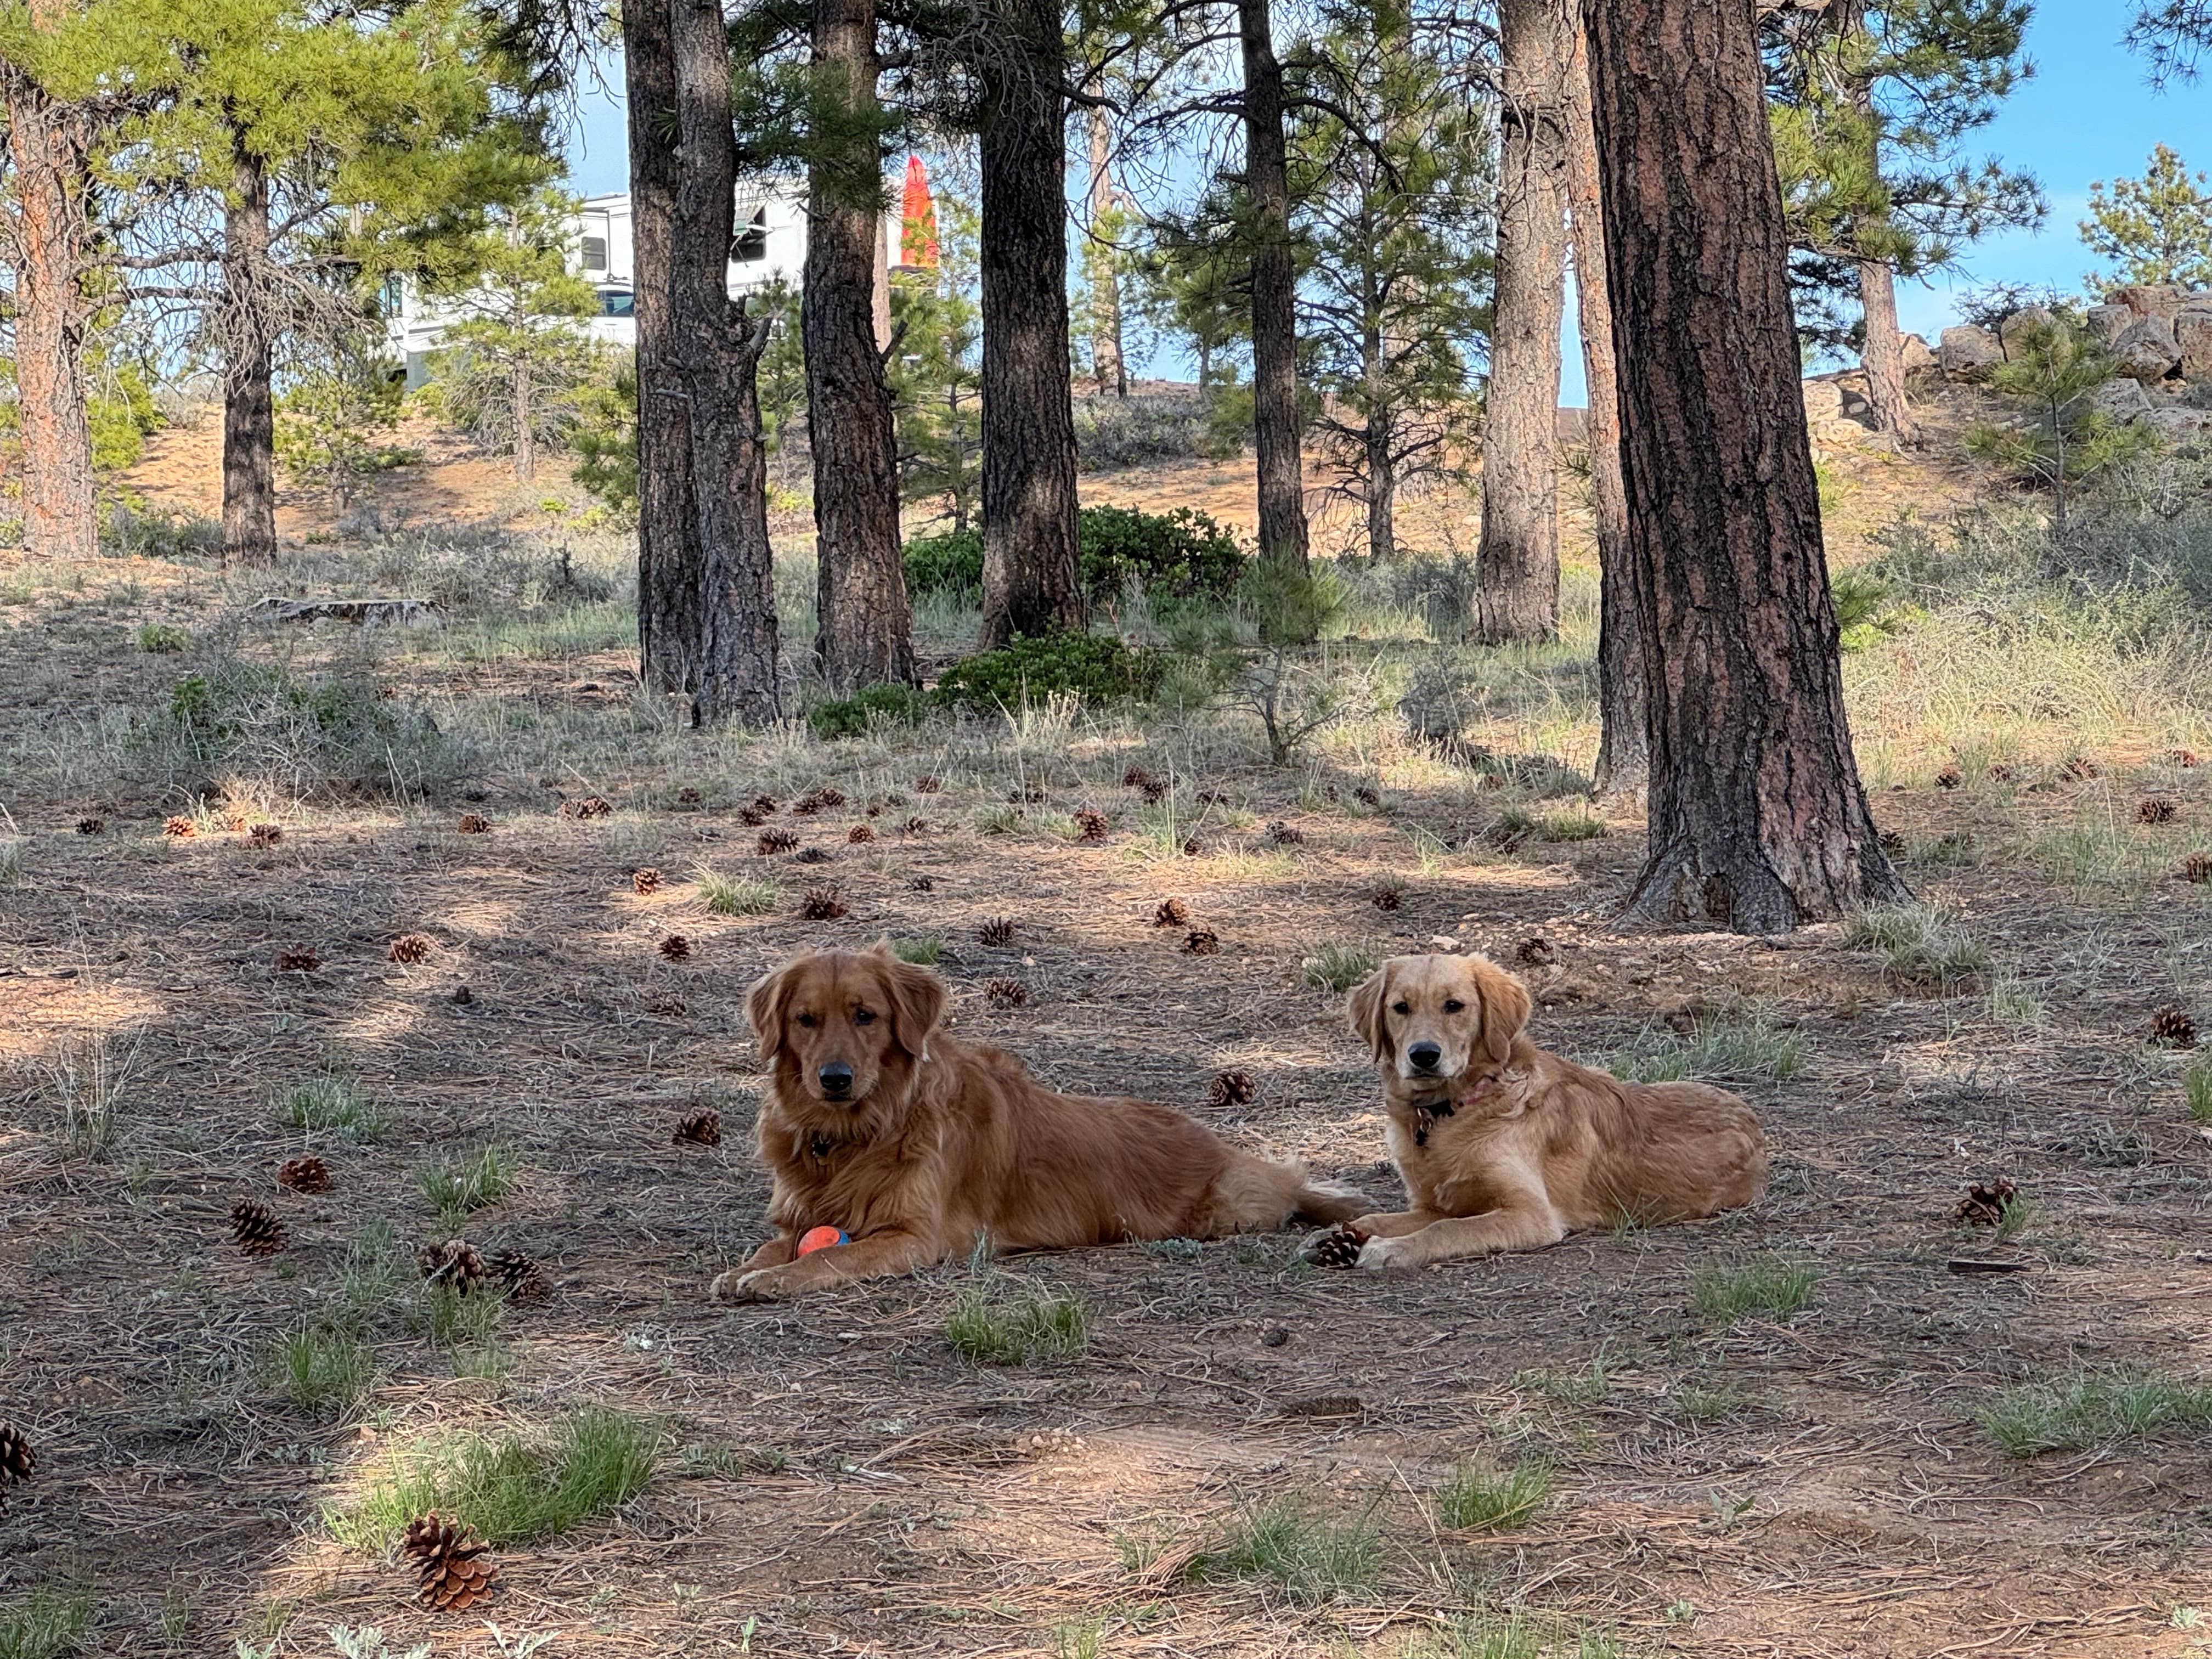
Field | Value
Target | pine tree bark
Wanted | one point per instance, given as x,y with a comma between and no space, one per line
249,391
706,583
1107,365
866,632
1032,570
1883,353
1758,821
1274,293
1518,558
1381,461
1624,747
50,250
526,438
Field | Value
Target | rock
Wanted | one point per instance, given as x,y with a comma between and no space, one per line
2177,426
2106,321
1443,944
1918,357
2121,400
2149,299
2014,327
2147,349
1967,353
2192,337
1824,401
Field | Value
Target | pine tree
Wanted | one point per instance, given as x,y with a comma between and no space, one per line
1189,278
936,375
2157,228
2050,369
1264,185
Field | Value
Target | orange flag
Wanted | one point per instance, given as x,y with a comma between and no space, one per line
917,221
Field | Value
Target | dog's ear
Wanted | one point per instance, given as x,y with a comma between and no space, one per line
1364,1010
1505,1007
764,1007
917,999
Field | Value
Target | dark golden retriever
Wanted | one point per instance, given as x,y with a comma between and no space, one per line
916,1146
1506,1147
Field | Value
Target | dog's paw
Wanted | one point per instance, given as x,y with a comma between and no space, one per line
738,1286
1381,1254
1340,1246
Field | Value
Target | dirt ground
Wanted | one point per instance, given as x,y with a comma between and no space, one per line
834,1477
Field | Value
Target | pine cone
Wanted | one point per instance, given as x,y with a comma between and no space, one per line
256,1228
773,841
830,795
1190,847
17,1459
823,904
1983,1204
180,826
1135,777
860,833
752,815
1233,1087
1005,993
814,855
1999,772
304,1175
808,805
1536,951
923,884
91,826
521,1279
1213,797
410,947
875,808
1949,778
1203,942
2172,1028
264,835
914,826
765,803
1339,1247
1284,834
1171,914
927,785
1366,797
998,932
456,1263
676,947
474,823
2197,868
298,960
688,796
449,1560
1890,842
1090,825
1155,790
1387,898
2184,758
645,880
701,1128
592,806
2081,768
2156,809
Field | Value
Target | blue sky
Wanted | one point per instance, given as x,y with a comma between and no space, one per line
2089,113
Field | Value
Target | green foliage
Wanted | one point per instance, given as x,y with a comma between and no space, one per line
1173,556
1291,605
737,895
328,1101
509,1487
2196,1093
2061,441
1770,1286
163,639
1751,1047
328,422
1008,1322
2093,1409
1338,967
1190,279
922,952
1479,1499
1866,611
460,1189
950,562
1313,1550
937,374
605,439
44,1625
2157,228
319,1370
1097,669
851,717
1919,943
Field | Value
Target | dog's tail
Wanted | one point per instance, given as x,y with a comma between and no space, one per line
1253,1194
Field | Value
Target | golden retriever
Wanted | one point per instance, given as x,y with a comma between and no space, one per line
915,1145
1506,1147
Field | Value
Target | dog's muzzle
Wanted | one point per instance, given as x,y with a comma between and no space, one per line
1424,1057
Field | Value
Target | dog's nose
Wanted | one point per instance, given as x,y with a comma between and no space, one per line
836,1078
1424,1056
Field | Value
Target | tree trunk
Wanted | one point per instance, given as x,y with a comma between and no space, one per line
47,151
1106,364
1382,467
249,396
1517,559
526,440
1624,747
1032,571
865,633
1883,353
706,584
1274,293
1758,821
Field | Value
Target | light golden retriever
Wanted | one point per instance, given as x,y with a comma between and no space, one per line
1506,1147
915,1145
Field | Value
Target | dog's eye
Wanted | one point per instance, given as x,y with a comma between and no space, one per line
1401,1007
1453,1005
864,1016
808,1021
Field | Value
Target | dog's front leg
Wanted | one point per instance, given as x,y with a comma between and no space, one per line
879,1256
1317,1245
1460,1236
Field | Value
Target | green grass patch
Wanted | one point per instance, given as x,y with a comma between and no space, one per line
1750,1048
2093,1409
1515,1632
1570,823
162,639
737,895
458,1190
318,1368
328,1102
1338,967
2196,1090
1771,1287
1309,1545
509,1487
1920,943
1007,1321
922,952
1479,1499
44,1625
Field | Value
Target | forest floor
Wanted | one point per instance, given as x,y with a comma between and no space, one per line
1793,1431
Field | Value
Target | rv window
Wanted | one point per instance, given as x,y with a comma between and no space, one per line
751,245
595,253
615,302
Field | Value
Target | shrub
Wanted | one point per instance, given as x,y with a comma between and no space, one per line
1179,555
158,534
1095,667
949,563
851,717
163,639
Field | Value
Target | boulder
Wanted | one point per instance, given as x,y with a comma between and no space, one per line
1967,353
1917,355
2147,349
2178,426
1824,402
2192,337
2106,321
2122,400
2027,317
2151,299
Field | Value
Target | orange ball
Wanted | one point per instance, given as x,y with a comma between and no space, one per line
820,1238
